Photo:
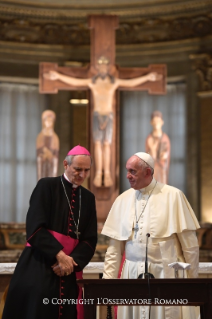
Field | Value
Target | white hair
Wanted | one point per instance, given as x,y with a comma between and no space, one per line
69,159
145,165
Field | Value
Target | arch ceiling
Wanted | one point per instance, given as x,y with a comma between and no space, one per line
64,22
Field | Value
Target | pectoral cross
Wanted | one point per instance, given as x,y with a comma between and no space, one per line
77,233
136,229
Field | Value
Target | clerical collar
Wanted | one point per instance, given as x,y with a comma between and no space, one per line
148,188
66,177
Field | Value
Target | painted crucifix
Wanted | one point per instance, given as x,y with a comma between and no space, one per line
103,78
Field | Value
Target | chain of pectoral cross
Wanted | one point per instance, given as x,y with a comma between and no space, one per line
76,225
136,228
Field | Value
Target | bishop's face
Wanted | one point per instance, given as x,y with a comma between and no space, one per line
136,173
78,170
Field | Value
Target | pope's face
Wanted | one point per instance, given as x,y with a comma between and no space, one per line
136,174
78,170
157,122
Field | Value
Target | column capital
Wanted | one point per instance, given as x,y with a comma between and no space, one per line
202,64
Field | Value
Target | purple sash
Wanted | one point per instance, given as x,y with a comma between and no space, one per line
69,244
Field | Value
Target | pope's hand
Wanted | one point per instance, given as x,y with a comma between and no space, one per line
65,263
51,75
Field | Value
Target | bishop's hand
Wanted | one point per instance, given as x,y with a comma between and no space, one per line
56,269
65,265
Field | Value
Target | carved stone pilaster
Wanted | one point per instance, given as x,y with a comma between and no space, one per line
202,64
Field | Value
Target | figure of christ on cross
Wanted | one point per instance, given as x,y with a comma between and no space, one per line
103,87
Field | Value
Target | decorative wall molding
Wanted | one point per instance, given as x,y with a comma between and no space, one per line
202,64
27,31
12,79
147,30
81,9
33,31
164,29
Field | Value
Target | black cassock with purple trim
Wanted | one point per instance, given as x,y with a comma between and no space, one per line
35,291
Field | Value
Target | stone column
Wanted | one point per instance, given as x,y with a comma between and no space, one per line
202,64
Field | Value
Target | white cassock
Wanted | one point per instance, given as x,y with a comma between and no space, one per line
164,212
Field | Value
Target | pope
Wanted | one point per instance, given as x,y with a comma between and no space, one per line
150,207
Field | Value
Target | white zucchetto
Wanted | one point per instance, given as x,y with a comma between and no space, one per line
146,158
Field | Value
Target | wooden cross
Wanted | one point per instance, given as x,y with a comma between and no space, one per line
102,121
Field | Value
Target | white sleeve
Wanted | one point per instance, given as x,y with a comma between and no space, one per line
113,258
190,248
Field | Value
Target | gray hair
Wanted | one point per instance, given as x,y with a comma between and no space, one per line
145,165
69,158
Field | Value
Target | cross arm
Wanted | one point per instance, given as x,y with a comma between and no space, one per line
53,78
152,79
130,83
54,75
